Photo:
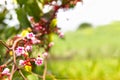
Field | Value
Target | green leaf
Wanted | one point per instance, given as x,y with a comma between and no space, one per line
22,17
21,2
32,77
3,14
38,69
33,9
9,32
42,1
17,76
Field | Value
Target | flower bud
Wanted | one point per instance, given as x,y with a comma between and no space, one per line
45,54
61,34
51,44
21,62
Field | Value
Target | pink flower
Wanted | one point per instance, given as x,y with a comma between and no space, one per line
35,41
28,48
39,61
61,34
45,54
6,71
51,44
30,36
19,51
21,62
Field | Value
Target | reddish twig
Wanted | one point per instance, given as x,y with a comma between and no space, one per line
13,48
14,57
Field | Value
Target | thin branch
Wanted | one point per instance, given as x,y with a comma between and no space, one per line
39,34
12,71
45,69
4,44
33,73
8,62
37,75
13,48
52,76
22,75
14,57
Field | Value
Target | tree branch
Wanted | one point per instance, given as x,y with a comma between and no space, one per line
14,57
45,69
8,62
37,75
12,71
13,48
3,43
22,75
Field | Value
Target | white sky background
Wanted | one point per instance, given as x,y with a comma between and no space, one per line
96,12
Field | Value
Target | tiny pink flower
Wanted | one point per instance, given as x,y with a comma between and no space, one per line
28,48
61,34
6,71
36,24
30,36
51,44
19,35
39,61
35,41
45,54
19,51
21,62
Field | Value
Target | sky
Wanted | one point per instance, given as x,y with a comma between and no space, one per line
96,12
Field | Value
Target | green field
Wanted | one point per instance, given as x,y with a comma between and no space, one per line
87,54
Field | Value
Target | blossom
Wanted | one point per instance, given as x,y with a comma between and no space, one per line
21,62
28,48
19,51
6,71
39,61
51,44
45,54
30,36
35,41
61,34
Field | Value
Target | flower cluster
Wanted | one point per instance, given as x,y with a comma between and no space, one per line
29,40
40,34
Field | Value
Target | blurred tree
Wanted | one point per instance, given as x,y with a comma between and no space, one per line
6,30
85,25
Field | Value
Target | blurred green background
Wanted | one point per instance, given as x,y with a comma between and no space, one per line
88,54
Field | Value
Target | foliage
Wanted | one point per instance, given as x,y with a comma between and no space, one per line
84,25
